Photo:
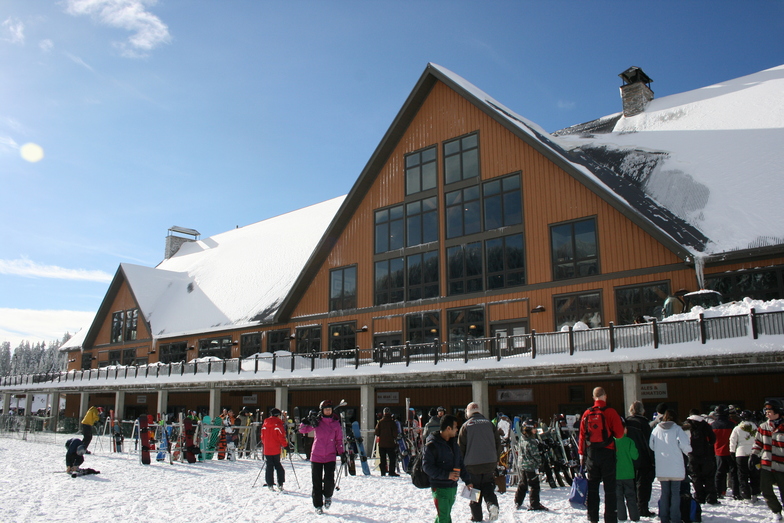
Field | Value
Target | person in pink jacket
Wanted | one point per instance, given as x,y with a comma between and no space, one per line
327,445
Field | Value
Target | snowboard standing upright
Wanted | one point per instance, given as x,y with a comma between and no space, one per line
144,440
190,448
361,448
403,448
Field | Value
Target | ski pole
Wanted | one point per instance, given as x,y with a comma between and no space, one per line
340,474
292,470
259,474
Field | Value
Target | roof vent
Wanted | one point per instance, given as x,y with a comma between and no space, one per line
635,91
173,243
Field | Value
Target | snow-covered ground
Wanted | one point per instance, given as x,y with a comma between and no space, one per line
36,488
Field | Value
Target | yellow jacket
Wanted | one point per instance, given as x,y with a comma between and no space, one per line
92,417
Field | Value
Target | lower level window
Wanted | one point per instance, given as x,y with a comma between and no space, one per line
278,340
309,340
465,325
250,344
218,347
571,308
173,352
343,336
633,303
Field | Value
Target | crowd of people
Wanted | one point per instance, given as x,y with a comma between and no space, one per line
701,461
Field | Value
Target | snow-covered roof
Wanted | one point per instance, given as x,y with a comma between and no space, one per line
75,342
711,156
232,279
701,166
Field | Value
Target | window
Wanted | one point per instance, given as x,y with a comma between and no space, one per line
118,320
343,288
421,170
505,262
763,284
278,340
462,212
464,268
343,336
422,275
131,318
309,340
422,327
502,202
642,300
87,360
574,249
586,307
422,221
461,158
389,229
390,283
465,325
512,340
173,352
121,357
250,344
218,347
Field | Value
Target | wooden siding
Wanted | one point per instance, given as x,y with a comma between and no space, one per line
123,301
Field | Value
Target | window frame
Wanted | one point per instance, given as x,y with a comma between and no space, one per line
308,340
250,344
343,337
506,271
170,352
467,280
385,239
504,197
579,295
117,330
345,301
462,208
455,340
575,261
279,339
415,160
461,153
383,295
641,306
222,350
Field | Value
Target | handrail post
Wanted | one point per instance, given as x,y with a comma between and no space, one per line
381,356
407,348
571,341
533,344
465,351
356,357
753,318
655,326
497,342
612,337
274,361
703,330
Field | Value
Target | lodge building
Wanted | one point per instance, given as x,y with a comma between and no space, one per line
468,226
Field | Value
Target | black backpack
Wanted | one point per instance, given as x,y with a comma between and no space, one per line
418,476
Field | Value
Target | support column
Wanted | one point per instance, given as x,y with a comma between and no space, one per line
54,409
163,402
119,405
6,402
480,395
282,398
215,396
28,403
632,382
84,404
367,409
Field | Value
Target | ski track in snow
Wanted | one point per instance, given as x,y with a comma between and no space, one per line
35,488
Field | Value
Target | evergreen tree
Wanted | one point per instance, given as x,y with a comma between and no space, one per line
5,358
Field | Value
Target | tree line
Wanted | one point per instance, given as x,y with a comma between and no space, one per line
27,358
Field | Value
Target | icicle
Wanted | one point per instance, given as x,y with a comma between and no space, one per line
699,267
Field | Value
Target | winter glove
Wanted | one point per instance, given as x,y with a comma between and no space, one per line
343,458
755,462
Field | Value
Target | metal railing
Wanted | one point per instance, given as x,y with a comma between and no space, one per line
529,345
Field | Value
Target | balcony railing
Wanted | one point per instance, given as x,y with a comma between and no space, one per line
530,345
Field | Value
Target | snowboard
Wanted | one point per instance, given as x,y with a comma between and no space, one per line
144,440
163,448
348,445
204,440
404,457
190,448
215,433
361,448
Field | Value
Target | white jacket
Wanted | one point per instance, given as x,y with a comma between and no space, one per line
669,444
742,438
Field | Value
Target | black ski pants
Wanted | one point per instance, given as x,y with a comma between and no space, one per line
725,470
600,468
485,483
323,476
273,465
388,455
529,479
643,482
702,471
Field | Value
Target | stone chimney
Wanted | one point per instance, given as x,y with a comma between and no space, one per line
635,91
173,243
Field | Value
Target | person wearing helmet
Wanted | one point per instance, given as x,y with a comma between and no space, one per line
741,442
768,456
327,445
273,436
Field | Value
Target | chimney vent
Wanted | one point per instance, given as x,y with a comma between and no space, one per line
635,91
173,243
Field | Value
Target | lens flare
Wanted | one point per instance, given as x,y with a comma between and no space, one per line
32,152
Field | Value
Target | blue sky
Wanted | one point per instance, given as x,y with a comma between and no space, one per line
211,114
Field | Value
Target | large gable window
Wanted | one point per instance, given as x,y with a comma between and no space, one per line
585,307
464,268
574,249
461,158
502,202
390,281
422,221
343,288
505,262
131,319
124,325
421,171
118,321
462,212
390,231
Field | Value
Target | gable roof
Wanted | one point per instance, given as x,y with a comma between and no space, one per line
711,157
233,279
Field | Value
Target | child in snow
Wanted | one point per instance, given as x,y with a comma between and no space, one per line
626,452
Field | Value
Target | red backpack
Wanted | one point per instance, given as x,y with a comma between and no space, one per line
595,432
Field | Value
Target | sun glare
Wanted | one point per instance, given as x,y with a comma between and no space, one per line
32,152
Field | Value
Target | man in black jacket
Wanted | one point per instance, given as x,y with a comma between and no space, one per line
639,430
443,463
702,458
480,443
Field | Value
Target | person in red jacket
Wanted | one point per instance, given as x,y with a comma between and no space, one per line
725,463
599,427
273,437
